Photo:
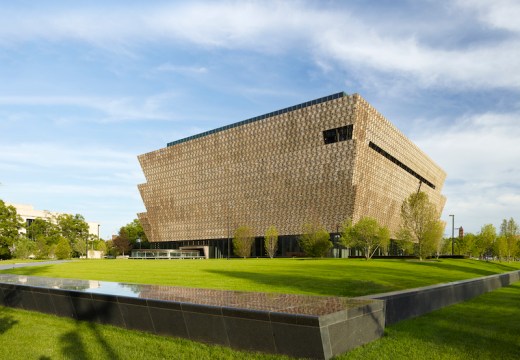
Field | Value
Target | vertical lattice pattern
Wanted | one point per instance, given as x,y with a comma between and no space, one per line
278,171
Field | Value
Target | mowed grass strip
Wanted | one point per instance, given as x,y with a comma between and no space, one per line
487,327
340,277
30,335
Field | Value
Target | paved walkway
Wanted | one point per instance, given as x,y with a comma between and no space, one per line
18,265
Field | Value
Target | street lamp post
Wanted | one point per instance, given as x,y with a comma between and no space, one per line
228,247
139,241
452,233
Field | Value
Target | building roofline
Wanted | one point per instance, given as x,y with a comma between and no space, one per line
261,117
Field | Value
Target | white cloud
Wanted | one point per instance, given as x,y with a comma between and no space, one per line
168,67
501,14
153,107
329,35
481,156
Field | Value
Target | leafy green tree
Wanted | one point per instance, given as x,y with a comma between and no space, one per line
509,232
500,249
133,231
420,224
73,227
80,246
466,245
10,225
366,234
111,249
485,240
42,250
446,246
271,241
100,245
24,247
243,241
46,234
63,249
315,240
44,228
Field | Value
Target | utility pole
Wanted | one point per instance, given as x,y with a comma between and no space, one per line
452,233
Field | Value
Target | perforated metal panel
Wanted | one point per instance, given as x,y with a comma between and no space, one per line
277,170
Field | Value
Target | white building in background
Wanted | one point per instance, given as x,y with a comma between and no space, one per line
28,213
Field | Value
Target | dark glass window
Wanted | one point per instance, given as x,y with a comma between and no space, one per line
339,134
345,133
330,136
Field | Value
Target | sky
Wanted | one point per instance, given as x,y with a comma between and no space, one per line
87,86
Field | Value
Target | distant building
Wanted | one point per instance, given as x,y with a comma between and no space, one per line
322,161
28,213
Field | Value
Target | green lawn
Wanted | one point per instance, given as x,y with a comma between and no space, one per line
19,261
487,327
342,277
29,335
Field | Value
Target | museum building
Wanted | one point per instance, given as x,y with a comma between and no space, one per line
321,161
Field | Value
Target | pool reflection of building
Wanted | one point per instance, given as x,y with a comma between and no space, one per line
323,161
286,303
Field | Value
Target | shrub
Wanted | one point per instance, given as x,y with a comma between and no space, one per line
315,240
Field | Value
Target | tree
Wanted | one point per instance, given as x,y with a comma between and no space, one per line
446,246
110,248
73,227
121,243
485,240
10,225
315,240
42,248
24,247
500,248
45,234
420,224
366,234
80,246
134,230
100,245
63,249
271,241
466,245
509,231
243,241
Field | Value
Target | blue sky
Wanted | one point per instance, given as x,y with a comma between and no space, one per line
86,86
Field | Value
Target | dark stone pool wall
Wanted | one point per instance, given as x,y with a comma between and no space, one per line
406,304
297,325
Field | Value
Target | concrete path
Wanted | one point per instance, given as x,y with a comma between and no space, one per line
18,265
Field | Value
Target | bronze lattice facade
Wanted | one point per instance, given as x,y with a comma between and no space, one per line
322,161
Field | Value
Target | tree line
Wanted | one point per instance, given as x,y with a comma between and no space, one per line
61,236
489,243
420,234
